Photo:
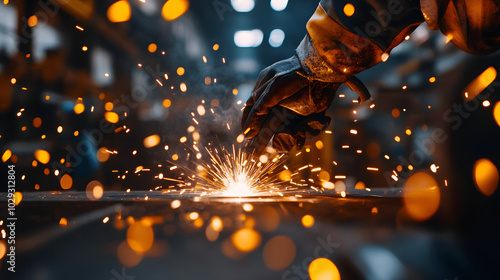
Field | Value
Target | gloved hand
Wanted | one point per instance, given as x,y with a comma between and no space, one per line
291,96
299,102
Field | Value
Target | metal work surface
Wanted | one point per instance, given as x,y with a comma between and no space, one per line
356,231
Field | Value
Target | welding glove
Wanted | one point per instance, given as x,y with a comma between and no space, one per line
286,84
305,84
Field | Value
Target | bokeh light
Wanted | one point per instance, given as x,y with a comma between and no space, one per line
94,190
181,71
216,224
3,249
127,256
66,182
111,117
79,108
246,239
243,6
6,155
102,154
152,47
140,236
37,122
109,106
279,5
421,196
485,175
480,83
18,197
173,9
285,175
42,156
32,21
211,234
151,141
323,269
63,222
119,11
166,103
269,219
496,112
307,221
279,252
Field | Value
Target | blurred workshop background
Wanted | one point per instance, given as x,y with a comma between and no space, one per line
93,93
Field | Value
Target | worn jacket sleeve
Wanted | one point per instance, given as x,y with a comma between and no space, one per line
345,37
472,25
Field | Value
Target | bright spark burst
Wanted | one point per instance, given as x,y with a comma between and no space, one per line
236,174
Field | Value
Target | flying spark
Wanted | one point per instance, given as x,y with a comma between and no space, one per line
237,174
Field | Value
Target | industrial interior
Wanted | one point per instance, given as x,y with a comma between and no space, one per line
124,156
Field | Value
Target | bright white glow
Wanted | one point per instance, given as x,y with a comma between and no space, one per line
248,38
238,187
279,5
243,6
276,38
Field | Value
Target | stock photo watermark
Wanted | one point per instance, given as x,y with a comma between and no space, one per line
11,219
221,7
121,275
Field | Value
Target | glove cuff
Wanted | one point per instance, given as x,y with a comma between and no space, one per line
430,12
331,53
315,67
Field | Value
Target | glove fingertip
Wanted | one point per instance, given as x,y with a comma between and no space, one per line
284,142
250,132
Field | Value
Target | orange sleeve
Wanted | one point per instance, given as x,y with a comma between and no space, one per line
331,52
472,25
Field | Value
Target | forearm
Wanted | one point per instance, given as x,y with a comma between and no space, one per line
380,21
339,46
